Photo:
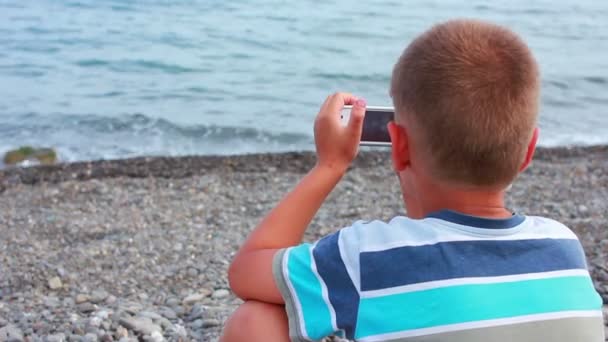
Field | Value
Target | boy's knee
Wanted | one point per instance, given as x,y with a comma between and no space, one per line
255,321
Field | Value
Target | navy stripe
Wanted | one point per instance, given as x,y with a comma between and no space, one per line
462,259
342,292
478,222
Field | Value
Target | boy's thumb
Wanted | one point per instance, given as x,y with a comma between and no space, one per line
357,115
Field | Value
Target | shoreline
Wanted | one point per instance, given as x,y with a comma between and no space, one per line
188,166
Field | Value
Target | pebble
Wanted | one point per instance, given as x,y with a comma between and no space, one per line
11,333
167,313
198,310
52,302
98,296
221,293
121,332
173,302
208,323
90,337
142,325
193,298
55,283
56,338
95,322
156,337
86,307
82,298
197,324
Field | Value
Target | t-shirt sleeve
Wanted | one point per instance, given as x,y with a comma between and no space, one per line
320,297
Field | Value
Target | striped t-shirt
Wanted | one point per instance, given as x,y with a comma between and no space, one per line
448,277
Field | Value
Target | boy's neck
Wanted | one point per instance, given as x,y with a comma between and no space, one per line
474,202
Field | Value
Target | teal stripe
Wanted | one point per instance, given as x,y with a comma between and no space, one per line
469,303
317,318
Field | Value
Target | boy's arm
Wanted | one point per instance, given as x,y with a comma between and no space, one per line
250,273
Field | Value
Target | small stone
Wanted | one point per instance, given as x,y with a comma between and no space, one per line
172,302
68,302
604,246
167,312
98,296
197,311
156,337
106,338
131,307
56,338
151,315
51,302
121,332
193,298
193,272
111,299
197,324
142,325
55,283
221,293
180,330
90,337
86,307
164,323
11,333
102,314
82,298
78,328
95,322
208,323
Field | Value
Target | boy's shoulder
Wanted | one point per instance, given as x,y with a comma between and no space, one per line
369,236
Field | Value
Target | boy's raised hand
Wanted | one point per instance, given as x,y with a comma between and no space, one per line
336,144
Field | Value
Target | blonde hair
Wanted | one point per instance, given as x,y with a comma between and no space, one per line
472,88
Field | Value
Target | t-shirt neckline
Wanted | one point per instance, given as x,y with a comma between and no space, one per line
476,221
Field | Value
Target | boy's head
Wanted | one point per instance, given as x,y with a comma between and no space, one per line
466,94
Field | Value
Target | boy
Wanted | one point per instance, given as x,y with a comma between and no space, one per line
460,267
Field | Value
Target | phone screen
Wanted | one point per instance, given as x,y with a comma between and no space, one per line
375,126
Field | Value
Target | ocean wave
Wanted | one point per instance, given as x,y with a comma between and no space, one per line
384,78
84,137
127,65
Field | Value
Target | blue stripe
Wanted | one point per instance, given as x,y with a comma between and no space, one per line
470,303
317,319
478,222
463,259
343,295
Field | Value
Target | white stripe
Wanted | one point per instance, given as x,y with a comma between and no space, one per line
472,280
296,300
402,232
324,291
481,324
351,264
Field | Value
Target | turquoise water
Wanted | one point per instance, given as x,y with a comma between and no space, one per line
109,79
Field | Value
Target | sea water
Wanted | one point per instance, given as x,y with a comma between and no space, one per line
121,78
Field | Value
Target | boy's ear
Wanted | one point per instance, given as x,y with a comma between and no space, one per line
399,146
531,149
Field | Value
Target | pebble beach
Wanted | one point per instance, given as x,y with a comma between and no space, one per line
138,249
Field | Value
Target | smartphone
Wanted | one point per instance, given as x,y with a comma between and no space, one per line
375,130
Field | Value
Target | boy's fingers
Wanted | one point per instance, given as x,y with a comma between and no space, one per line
337,101
357,116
